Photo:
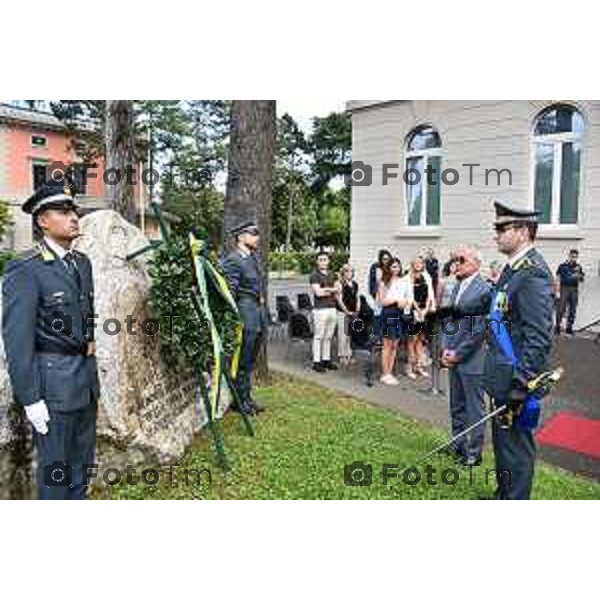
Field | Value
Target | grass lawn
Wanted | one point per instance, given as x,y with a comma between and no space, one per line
307,436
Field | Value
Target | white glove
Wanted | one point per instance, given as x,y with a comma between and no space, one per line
38,416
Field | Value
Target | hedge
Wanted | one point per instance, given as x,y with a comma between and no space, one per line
304,261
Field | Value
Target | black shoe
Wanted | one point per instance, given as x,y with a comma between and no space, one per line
244,408
471,461
257,408
557,331
329,365
319,367
569,331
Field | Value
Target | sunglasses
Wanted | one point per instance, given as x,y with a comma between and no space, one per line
461,260
505,227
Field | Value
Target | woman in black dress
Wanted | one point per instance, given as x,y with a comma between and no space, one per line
348,308
423,305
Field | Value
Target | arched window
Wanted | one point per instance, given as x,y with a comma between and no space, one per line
557,139
423,170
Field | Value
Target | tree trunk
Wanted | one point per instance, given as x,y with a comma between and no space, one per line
290,217
119,155
250,171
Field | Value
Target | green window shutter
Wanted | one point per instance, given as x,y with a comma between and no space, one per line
569,188
414,193
434,192
544,167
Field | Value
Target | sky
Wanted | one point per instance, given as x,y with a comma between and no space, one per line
304,110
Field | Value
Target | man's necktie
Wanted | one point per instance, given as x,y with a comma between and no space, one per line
72,269
455,291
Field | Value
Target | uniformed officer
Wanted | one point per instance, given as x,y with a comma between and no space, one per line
48,309
247,283
524,294
569,275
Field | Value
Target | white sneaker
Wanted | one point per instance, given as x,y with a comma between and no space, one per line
389,380
411,375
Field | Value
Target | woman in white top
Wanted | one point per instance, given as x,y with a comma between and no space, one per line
393,296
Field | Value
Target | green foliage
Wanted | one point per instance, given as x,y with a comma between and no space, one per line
335,226
291,142
334,219
208,123
305,439
304,262
200,210
307,211
5,217
5,222
167,120
84,122
188,342
5,256
292,187
190,137
181,131
331,148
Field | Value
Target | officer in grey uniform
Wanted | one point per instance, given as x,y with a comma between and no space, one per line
47,328
246,280
524,294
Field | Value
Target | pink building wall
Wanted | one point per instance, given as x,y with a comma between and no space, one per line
22,154
17,157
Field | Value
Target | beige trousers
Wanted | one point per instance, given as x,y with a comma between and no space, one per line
324,322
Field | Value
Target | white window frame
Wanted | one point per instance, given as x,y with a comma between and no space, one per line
557,140
425,155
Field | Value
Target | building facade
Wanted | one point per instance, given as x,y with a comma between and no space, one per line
433,168
30,142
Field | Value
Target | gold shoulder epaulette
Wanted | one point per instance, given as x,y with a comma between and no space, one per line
44,252
523,263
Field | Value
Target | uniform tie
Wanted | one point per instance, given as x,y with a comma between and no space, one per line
72,269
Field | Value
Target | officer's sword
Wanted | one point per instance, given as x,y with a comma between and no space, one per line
544,382
460,435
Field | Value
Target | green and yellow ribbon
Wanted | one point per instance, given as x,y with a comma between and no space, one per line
202,268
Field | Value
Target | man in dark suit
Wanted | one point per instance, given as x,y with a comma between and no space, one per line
246,280
463,354
48,308
523,295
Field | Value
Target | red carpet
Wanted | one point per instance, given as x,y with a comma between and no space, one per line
570,432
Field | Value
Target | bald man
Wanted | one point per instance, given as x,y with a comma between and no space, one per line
464,353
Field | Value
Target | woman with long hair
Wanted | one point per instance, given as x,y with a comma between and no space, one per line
393,296
348,307
423,304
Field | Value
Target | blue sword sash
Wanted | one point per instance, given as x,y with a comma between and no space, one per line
529,416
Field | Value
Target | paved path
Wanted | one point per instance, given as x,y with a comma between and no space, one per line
579,392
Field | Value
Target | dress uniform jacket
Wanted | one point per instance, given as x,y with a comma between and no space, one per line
247,284
47,329
525,295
